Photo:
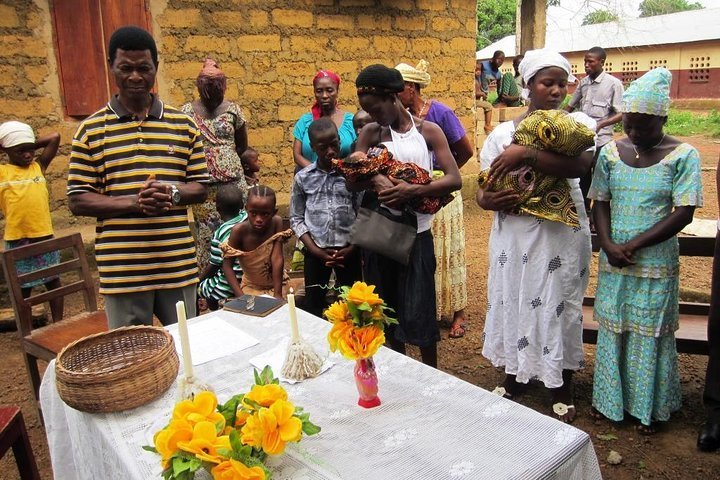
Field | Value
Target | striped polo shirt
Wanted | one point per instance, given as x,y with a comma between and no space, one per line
113,153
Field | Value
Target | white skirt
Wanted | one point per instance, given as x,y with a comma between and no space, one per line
538,274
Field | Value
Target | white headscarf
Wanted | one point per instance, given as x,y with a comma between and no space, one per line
536,60
15,133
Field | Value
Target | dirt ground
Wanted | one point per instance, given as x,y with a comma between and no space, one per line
670,454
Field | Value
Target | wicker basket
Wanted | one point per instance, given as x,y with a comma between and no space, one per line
116,370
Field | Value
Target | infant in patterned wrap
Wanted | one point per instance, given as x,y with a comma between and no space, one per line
360,167
542,195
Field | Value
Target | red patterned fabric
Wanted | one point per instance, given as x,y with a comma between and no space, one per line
357,168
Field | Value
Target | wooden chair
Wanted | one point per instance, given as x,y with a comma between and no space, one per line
46,342
13,434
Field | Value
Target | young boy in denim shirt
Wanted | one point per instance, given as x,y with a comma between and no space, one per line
322,210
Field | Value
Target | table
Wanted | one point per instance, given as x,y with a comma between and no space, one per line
430,425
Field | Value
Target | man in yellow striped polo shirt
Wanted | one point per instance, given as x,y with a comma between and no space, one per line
135,165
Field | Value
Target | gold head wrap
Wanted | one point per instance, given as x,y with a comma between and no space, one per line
418,74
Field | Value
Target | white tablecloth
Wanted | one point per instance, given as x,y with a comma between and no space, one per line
430,425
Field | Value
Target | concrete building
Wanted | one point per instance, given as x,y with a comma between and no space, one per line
686,43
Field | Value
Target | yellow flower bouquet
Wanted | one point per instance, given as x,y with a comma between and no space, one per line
359,319
232,440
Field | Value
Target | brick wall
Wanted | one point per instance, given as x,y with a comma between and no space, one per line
270,52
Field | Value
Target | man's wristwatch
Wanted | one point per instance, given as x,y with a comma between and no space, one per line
174,195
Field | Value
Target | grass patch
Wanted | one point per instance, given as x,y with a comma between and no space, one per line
686,122
680,122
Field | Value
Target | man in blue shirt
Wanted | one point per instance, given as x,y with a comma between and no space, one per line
484,73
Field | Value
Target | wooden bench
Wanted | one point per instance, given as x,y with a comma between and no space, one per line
691,337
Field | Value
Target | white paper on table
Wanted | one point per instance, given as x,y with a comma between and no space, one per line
212,339
275,357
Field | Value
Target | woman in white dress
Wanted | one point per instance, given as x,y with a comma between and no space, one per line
538,268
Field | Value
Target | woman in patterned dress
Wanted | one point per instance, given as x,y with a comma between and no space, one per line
225,138
538,268
646,187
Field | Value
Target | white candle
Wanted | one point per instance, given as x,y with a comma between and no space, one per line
184,339
293,318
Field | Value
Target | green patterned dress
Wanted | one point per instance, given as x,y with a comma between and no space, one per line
636,369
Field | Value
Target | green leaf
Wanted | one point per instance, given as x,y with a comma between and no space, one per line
266,376
257,377
310,428
607,437
225,452
180,464
150,449
354,312
252,403
235,441
600,16
365,307
641,465
229,409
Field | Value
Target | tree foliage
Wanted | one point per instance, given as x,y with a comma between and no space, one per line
649,8
495,20
600,16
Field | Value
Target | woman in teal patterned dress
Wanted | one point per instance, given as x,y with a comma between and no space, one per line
646,187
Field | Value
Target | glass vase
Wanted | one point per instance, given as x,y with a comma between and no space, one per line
366,382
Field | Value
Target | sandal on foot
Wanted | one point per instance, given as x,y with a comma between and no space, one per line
596,414
501,392
643,429
562,410
457,330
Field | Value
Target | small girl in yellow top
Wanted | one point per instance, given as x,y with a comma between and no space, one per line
24,201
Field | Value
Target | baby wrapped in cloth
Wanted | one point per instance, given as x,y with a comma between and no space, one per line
359,168
542,195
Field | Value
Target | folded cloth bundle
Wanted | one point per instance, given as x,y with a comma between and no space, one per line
542,195
360,168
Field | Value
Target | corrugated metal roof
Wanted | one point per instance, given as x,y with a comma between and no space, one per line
681,27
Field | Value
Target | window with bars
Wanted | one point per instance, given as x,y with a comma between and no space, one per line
658,63
699,70
629,71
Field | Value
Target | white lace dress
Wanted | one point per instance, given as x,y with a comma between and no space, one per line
536,282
